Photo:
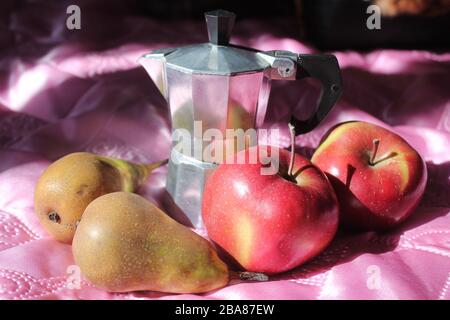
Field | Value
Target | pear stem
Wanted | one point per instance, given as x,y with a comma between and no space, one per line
291,162
154,165
375,145
251,276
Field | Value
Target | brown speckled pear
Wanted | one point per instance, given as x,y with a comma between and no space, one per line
125,243
69,184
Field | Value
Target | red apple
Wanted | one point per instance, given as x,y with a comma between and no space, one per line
270,223
378,177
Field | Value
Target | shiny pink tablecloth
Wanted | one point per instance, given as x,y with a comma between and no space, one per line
63,91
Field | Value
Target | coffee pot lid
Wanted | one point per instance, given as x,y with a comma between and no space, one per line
217,57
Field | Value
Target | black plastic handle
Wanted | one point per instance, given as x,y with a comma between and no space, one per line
326,69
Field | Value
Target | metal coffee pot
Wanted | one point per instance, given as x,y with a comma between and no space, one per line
226,87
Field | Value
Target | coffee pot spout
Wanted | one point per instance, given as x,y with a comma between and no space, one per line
155,64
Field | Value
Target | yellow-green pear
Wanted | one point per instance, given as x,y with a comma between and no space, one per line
125,243
69,184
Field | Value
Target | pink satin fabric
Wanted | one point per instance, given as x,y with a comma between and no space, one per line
63,91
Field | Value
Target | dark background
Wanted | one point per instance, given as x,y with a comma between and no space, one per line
327,24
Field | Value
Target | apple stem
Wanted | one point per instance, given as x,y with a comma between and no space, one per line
375,145
291,162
